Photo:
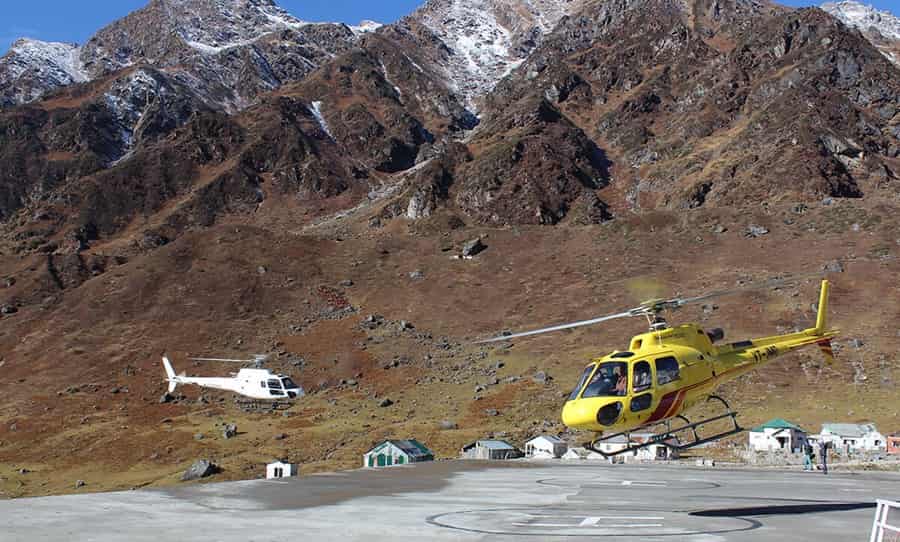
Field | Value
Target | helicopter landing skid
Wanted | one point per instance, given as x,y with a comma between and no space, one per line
251,405
669,436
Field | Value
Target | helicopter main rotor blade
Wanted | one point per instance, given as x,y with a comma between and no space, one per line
560,327
225,360
765,285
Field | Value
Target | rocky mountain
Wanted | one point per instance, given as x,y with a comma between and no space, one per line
713,103
226,51
485,40
33,67
881,27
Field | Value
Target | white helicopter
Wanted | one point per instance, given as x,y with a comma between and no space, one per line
257,384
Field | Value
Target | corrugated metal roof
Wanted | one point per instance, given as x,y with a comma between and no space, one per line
495,444
412,447
777,423
853,430
550,438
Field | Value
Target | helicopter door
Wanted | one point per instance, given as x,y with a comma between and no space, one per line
641,386
275,387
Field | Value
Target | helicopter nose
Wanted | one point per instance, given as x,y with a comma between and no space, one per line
588,414
579,415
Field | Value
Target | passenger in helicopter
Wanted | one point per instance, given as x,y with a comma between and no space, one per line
621,381
641,376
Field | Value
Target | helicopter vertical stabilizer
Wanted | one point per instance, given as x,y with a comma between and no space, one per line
822,313
170,374
822,323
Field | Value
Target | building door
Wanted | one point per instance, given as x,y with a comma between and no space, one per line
381,460
371,460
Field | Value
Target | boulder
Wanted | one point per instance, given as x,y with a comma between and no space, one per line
166,398
447,425
79,484
491,412
473,248
8,309
385,403
541,377
833,266
201,468
754,231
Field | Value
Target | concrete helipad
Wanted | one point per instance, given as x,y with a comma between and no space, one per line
469,501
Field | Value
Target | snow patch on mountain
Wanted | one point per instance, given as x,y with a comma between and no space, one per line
211,26
316,110
489,38
866,18
365,27
880,27
33,67
58,60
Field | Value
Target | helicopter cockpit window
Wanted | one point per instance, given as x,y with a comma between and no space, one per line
274,384
642,378
288,383
581,381
262,383
667,370
610,379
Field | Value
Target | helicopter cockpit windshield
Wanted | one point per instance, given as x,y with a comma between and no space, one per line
288,384
609,380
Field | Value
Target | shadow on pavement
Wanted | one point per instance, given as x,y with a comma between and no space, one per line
784,509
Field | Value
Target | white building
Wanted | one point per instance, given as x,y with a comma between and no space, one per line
280,469
490,449
657,451
545,447
777,434
853,437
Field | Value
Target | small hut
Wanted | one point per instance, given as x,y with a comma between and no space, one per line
545,447
397,452
281,469
490,449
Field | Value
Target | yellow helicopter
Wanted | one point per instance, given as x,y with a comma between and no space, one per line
668,370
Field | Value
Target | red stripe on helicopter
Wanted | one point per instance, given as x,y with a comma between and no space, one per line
677,406
664,405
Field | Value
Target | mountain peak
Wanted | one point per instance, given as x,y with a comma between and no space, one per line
487,39
214,25
866,18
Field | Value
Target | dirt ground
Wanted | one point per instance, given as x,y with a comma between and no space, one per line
82,376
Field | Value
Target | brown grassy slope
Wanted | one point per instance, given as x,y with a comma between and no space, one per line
206,294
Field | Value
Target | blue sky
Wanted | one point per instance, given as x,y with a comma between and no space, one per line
75,21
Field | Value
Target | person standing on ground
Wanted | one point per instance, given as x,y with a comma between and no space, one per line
823,455
807,456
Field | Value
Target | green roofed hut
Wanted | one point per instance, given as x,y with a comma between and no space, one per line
777,434
397,452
